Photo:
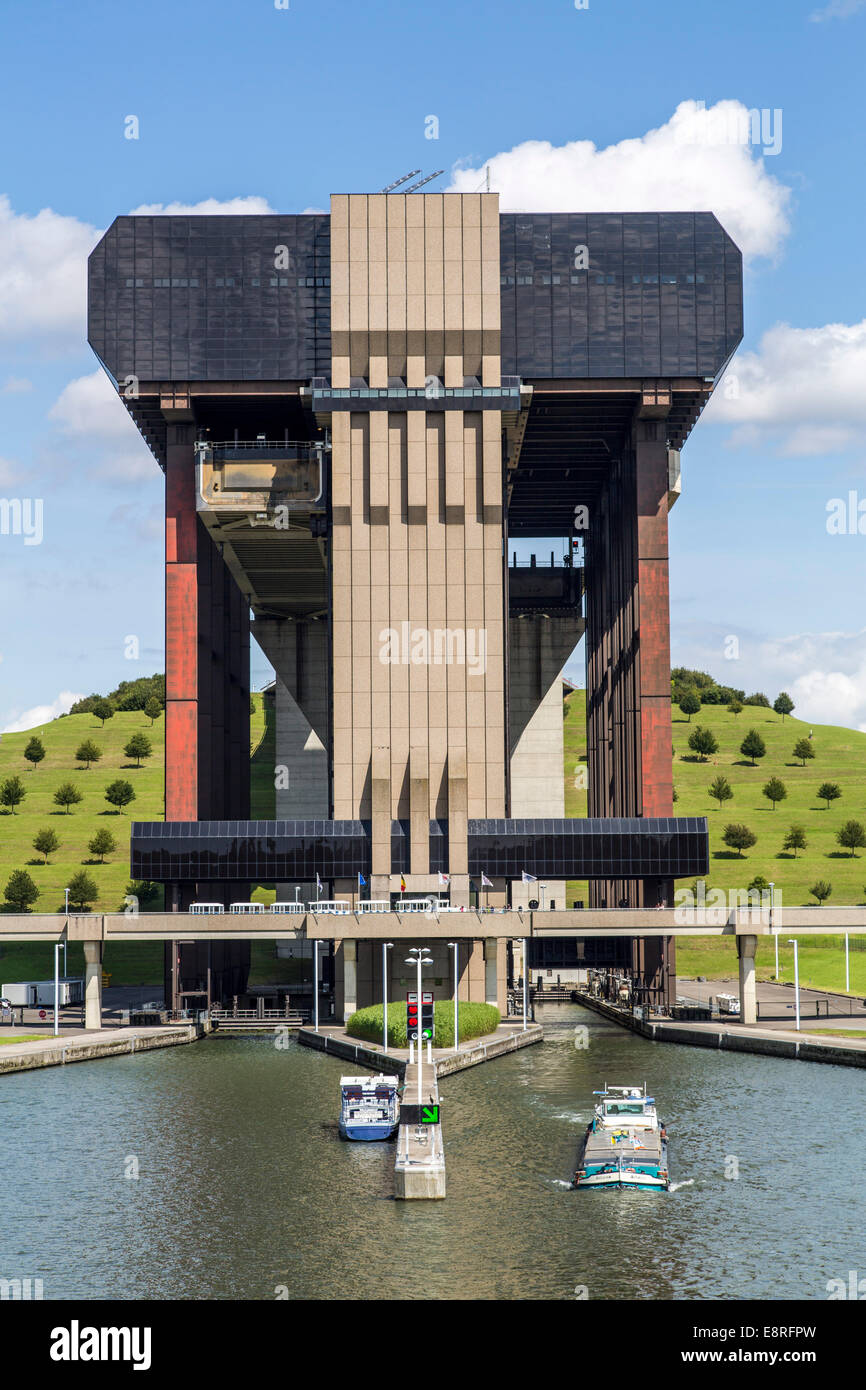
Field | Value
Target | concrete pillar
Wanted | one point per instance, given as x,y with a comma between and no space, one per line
92,984
746,948
350,978
181,627
490,955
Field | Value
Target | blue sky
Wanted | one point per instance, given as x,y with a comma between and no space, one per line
237,99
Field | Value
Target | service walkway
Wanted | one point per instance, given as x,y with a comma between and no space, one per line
82,1045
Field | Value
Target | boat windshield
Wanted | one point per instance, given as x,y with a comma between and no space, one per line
624,1107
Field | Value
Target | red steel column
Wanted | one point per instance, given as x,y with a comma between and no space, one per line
181,628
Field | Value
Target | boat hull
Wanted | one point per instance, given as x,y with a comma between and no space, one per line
623,1181
367,1133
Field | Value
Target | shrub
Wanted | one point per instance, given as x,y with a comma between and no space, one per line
153,709
759,698
35,751
474,1020
783,704
703,742
821,890
690,703
103,710
829,791
775,790
753,746
739,837
67,795
803,749
21,891
851,836
795,839
12,793
119,794
139,747
46,842
82,890
720,789
103,843
87,753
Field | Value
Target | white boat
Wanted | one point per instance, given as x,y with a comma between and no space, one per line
369,1107
625,1145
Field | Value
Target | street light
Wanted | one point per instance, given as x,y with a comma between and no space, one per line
316,985
455,946
386,947
773,929
419,956
792,942
525,980
847,967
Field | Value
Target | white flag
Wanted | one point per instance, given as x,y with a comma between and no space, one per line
527,878
485,881
444,879
318,884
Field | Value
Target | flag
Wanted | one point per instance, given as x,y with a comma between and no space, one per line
318,884
444,879
362,882
527,878
485,881
402,884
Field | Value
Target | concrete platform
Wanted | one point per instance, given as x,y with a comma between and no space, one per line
81,1046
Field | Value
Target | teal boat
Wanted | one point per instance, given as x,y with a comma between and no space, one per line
625,1146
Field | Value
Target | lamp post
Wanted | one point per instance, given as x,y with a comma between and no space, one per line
525,980
386,947
455,946
56,987
792,942
419,956
541,888
847,967
297,891
772,928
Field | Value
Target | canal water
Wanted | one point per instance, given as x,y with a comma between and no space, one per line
244,1189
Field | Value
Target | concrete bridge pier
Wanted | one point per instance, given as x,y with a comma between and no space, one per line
746,948
92,984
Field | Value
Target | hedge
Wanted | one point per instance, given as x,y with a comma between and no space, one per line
474,1021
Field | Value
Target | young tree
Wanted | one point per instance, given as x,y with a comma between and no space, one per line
103,710
821,890
759,885
67,795
82,890
795,839
12,793
703,742
739,837
143,889
753,747
803,750
35,751
139,747
735,707
119,794
153,709
102,843
720,790
690,704
783,704
87,753
21,891
851,836
829,791
46,842
775,790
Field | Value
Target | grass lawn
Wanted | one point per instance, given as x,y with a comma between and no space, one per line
822,960
841,1032
22,1037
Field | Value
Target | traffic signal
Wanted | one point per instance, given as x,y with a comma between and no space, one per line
412,1022
426,1015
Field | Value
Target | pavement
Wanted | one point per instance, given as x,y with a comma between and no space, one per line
819,1009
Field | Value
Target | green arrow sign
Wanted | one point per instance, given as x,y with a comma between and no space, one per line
429,1114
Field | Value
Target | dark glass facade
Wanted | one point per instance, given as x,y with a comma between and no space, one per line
247,298
268,851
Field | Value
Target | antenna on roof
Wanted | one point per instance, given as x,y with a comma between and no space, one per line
421,182
396,184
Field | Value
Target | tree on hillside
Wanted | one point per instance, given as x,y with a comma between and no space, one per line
735,707
759,885
803,750
821,890
759,698
775,790
143,890
851,836
102,843
690,703
753,747
82,890
739,837
153,709
103,710
12,793
795,839
119,794
87,753
35,751
21,891
46,842
139,747
829,791
720,790
703,742
67,795
783,704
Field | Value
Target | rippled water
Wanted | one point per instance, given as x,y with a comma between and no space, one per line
245,1186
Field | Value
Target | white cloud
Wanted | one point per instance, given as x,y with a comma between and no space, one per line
43,714
682,166
15,386
43,272
10,473
803,388
837,9
208,206
89,411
